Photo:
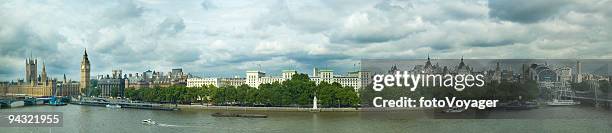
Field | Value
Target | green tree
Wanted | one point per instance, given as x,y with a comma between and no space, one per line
94,92
300,89
114,92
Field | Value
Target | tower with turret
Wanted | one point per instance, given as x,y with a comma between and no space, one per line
43,75
30,75
85,69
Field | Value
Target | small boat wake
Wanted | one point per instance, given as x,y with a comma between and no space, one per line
153,123
170,125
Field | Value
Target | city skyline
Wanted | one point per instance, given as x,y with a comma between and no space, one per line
346,66
356,67
225,38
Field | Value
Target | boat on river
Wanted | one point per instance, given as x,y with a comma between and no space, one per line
17,104
454,110
54,101
520,105
219,114
556,102
115,106
149,122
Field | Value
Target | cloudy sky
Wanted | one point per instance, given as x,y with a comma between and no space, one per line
227,37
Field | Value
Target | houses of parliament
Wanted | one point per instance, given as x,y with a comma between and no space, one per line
41,85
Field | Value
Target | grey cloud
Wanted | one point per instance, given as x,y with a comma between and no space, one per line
316,60
369,38
278,14
481,43
22,40
440,46
461,10
301,57
434,10
246,58
171,26
207,5
183,56
7,71
137,36
123,9
374,29
110,43
309,17
525,11
349,5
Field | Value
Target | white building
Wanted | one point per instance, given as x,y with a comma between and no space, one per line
256,78
235,81
218,82
353,79
199,82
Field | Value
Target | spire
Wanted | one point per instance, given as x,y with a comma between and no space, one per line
428,62
461,64
85,60
43,75
497,68
44,70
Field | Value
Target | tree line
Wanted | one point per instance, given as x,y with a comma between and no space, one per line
299,91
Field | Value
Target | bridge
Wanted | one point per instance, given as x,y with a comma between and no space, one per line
589,98
599,100
588,95
28,101
4,102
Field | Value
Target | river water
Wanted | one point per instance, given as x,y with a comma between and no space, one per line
99,119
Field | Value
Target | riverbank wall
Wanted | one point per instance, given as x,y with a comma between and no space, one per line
296,109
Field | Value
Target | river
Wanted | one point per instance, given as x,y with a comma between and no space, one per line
99,119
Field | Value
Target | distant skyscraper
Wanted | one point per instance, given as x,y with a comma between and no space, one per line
579,67
578,72
85,69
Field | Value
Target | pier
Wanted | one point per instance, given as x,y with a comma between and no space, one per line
123,104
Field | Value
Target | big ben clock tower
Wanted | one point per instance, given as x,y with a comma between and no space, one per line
85,68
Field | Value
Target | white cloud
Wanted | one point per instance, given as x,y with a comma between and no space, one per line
227,37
